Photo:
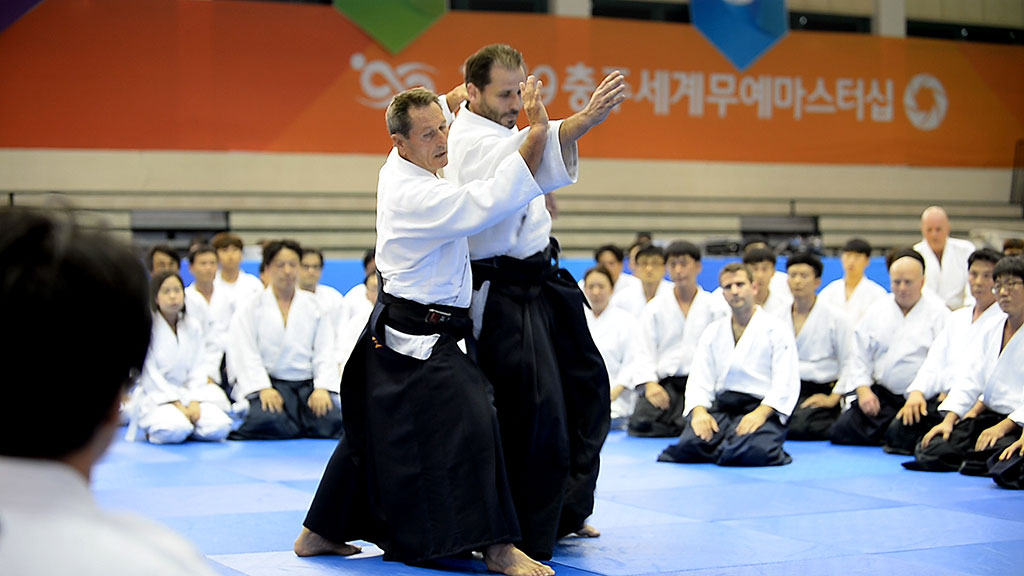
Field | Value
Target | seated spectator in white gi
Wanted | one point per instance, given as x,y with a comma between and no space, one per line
889,345
780,281
993,371
162,257
282,349
212,309
1013,247
775,300
650,270
670,326
83,294
743,384
951,347
311,269
611,258
614,333
357,292
174,400
822,341
945,259
237,285
854,292
358,306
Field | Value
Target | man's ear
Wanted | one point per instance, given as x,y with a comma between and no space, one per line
473,92
398,141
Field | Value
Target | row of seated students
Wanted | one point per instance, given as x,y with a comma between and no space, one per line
766,356
233,354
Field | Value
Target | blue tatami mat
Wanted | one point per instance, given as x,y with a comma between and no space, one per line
834,510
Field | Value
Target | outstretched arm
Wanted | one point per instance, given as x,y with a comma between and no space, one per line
608,94
532,149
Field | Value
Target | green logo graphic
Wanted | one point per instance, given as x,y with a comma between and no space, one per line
394,24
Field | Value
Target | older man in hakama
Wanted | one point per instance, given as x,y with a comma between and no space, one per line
743,384
887,350
282,350
551,388
822,341
951,347
420,470
854,292
670,326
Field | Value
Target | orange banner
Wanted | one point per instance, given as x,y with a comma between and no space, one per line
188,75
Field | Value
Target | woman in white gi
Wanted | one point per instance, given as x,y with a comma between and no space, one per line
174,400
281,348
613,330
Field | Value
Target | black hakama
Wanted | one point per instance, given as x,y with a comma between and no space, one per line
856,428
296,420
551,392
419,471
812,423
649,421
763,447
957,453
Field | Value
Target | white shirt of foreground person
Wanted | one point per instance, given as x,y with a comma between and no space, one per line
50,524
889,348
763,363
476,147
948,280
261,345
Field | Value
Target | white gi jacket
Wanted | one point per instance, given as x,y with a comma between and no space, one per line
423,222
244,287
614,333
45,501
175,368
951,347
764,364
215,317
823,343
422,227
888,348
666,339
948,281
476,147
866,292
999,376
261,345
632,298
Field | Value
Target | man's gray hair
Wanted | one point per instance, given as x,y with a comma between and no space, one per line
397,115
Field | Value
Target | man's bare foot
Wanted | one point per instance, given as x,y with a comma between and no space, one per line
511,561
587,531
312,544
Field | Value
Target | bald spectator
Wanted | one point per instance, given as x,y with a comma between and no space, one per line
889,345
945,259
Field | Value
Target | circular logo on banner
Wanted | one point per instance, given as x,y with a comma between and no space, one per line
925,102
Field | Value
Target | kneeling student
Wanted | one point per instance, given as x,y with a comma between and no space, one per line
743,384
